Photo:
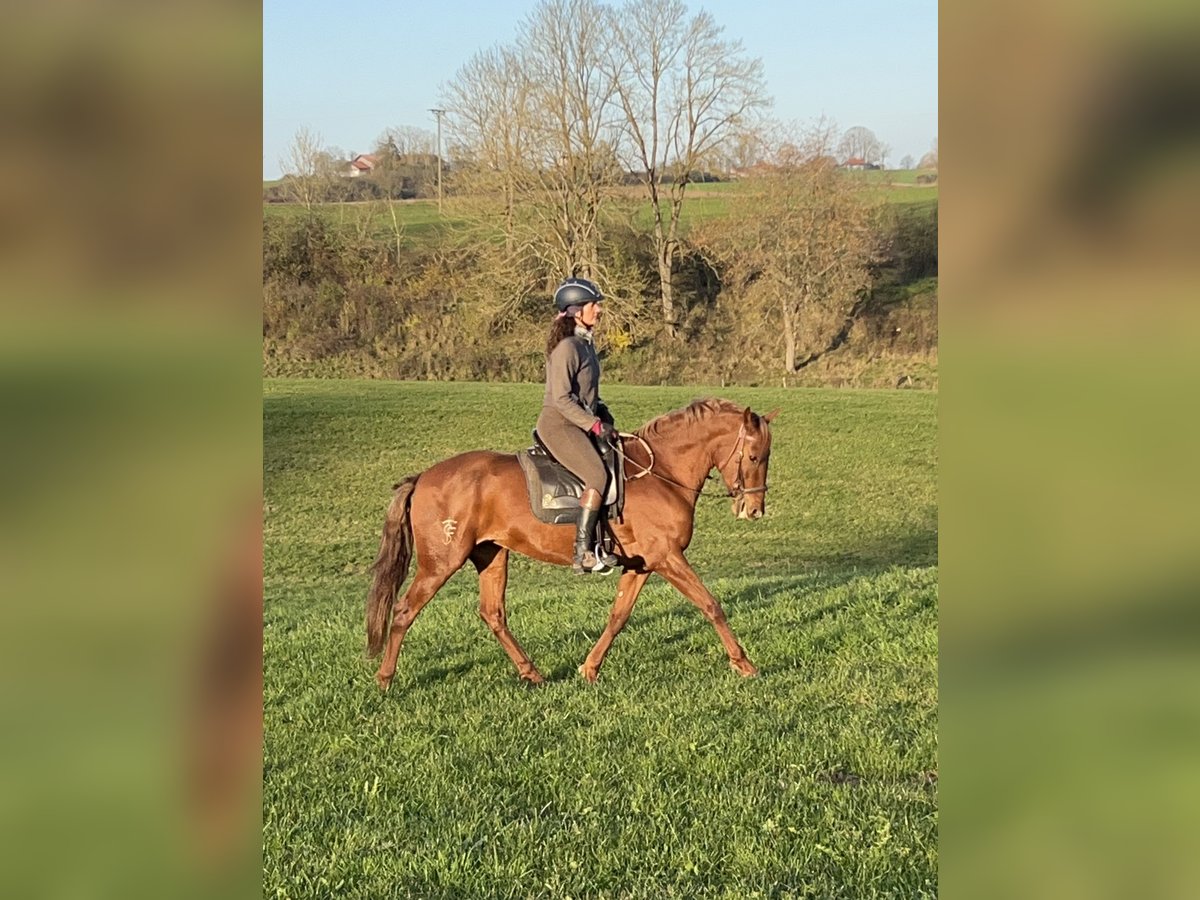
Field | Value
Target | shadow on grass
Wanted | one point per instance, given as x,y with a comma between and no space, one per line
435,674
297,438
820,574
794,592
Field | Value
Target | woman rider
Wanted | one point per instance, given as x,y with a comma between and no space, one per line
572,411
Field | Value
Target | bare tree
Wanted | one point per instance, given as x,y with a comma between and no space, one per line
405,161
906,161
534,129
306,168
745,148
798,251
575,125
490,121
861,143
684,91
402,141
537,125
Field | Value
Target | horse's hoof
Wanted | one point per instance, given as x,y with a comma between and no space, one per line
533,677
589,675
744,668
384,682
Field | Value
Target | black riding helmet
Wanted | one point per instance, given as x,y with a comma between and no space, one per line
576,292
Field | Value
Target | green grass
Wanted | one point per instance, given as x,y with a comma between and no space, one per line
924,193
697,207
900,186
702,203
671,777
422,223
418,219
904,176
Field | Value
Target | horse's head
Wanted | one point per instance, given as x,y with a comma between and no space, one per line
745,468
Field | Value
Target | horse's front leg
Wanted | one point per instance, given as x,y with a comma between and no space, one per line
628,589
680,573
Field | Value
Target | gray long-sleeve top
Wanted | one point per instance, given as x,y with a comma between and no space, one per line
573,381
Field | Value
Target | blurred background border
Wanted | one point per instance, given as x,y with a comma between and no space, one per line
130,353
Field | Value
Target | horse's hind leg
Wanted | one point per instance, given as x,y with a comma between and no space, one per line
424,585
492,562
627,593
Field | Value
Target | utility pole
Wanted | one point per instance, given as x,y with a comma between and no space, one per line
439,113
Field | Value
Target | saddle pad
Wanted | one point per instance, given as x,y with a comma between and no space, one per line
554,491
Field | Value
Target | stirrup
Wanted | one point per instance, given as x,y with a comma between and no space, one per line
589,564
606,559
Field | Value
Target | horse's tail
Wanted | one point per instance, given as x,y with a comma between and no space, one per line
391,566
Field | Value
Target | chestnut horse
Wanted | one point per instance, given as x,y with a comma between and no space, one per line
476,506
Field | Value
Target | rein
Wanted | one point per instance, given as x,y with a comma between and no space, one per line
738,490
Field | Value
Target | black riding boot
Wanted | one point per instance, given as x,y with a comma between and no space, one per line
585,560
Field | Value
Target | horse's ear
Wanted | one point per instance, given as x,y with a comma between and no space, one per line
771,415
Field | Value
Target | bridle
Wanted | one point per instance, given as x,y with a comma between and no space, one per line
739,488
739,448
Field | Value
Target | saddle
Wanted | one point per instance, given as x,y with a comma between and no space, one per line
554,491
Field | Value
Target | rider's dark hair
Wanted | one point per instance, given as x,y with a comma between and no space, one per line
562,327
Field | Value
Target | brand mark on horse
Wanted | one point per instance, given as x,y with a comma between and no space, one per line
449,526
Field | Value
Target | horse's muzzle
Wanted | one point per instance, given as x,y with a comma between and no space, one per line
744,507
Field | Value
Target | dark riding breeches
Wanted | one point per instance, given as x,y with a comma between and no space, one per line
573,448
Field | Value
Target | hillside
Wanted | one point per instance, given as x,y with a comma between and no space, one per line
393,289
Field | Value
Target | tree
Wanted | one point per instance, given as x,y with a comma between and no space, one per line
407,162
684,91
930,159
861,143
745,148
490,118
402,141
537,125
307,169
906,161
574,131
798,251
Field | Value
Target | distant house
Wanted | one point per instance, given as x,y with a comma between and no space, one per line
363,164
855,162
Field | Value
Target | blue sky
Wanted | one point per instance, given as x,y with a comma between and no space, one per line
347,71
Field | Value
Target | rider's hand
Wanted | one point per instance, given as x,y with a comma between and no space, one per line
604,431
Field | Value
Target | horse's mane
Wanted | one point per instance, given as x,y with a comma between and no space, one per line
694,412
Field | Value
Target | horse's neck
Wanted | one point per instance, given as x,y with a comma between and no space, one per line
691,451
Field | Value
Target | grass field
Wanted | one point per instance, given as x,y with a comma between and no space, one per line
671,777
421,221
